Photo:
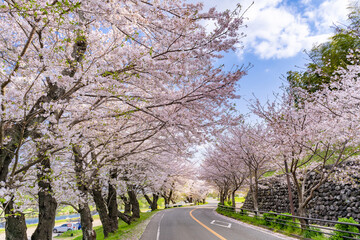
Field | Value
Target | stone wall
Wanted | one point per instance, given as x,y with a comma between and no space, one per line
332,200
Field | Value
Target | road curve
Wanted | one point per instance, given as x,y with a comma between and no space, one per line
201,223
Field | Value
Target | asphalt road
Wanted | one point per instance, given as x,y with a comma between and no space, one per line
201,223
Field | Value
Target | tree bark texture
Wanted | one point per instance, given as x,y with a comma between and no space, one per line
167,198
84,210
153,202
47,204
233,198
303,213
154,205
101,208
135,207
127,205
86,222
222,196
15,228
124,217
254,195
112,203
15,221
292,209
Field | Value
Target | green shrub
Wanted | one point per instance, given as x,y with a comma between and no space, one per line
268,217
280,221
285,222
343,227
311,234
229,209
244,212
245,218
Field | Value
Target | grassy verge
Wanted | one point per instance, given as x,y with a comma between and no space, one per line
124,230
239,199
260,221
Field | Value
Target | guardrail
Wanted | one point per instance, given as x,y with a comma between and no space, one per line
271,217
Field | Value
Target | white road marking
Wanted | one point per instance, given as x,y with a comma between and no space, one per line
158,231
221,223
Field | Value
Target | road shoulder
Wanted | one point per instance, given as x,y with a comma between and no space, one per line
151,226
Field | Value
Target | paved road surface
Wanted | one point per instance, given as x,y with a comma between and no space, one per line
201,223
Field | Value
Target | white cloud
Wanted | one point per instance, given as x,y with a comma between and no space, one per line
278,30
305,1
329,13
274,32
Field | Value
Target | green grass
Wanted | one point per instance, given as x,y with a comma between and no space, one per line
269,174
66,210
123,229
239,199
275,226
144,206
259,221
245,218
70,234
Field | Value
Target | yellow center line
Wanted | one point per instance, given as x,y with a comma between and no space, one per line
207,228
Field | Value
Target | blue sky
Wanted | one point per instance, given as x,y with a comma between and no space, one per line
278,32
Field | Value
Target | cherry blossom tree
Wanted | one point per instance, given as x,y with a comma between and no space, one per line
249,145
309,140
225,169
73,70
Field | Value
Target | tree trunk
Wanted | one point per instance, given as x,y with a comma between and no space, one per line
166,201
135,207
233,198
15,221
254,191
167,198
101,208
154,205
153,202
222,197
147,198
84,210
15,228
124,217
291,202
127,205
112,203
47,204
86,222
302,213
255,199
